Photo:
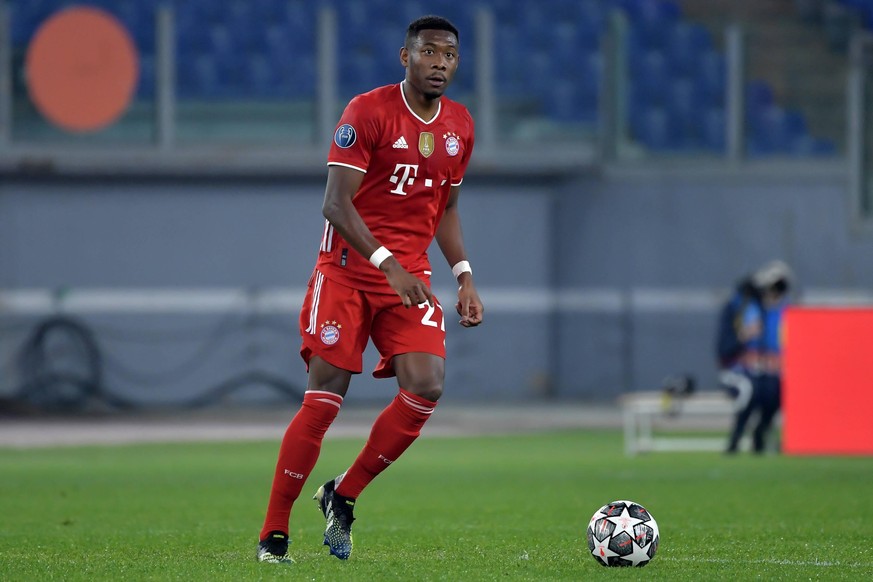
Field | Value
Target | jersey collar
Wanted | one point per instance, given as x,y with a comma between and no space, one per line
414,114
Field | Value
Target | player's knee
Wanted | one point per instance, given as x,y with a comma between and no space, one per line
427,388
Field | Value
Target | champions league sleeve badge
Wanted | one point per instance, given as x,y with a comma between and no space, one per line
453,145
345,136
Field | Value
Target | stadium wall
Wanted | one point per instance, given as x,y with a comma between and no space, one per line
593,286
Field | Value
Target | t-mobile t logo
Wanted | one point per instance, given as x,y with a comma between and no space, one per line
404,175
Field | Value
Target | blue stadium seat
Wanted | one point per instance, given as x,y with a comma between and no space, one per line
197,77
650,78
686,43
685,103
192,33
246,30
651,21
759,94
714,130
568,38
592,13
295,78
574,97
24,22
510,57
712,76
139,19
359,73
538,70
536,24
268,11
145,90
862,8
775,130
653,127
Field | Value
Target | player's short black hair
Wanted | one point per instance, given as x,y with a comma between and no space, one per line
429,23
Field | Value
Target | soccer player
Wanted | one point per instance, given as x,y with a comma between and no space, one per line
394,174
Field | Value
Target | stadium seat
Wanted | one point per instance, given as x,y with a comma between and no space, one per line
650,78
139,19
268,11
653,128
759,98
246,31
359,73
145,90
261,77
574,98
192,35
685,103
775,130
296,78
712,76
509,57
714,130
197,77
686,43
592,13
651,21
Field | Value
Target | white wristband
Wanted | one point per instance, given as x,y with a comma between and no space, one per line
379,255
461,267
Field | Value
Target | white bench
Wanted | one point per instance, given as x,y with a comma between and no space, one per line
643,411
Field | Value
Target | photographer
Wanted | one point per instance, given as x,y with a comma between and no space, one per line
750,350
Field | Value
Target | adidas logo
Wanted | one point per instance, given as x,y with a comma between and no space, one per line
401,144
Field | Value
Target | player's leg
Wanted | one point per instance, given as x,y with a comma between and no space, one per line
420,380
741,418
412,345
396,428
769,406
332,349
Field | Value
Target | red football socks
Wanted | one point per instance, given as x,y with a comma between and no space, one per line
297,455
392,433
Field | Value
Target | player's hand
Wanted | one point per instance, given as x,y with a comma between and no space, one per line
411,289
469,306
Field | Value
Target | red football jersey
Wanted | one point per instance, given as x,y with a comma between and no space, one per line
410,166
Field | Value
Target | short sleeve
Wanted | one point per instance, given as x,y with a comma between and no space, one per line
355,136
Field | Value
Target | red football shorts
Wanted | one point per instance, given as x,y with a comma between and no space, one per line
336,322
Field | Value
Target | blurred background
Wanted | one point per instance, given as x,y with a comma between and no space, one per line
634,158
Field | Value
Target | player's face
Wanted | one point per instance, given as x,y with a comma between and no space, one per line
431,61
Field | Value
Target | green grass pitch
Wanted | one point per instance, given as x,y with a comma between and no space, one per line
457,509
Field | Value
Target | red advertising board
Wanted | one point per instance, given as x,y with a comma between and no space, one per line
827,382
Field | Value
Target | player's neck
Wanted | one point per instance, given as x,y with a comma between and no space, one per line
422,106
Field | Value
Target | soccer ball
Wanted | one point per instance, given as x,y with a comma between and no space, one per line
623,533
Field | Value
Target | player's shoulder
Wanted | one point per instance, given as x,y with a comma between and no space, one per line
454,109
377,98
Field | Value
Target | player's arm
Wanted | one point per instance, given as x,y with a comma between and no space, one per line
451,243
342,184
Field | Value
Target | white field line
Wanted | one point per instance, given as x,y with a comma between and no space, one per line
775,562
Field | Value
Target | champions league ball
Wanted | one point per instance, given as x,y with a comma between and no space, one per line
623,533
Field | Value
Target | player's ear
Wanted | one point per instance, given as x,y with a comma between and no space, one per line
404,56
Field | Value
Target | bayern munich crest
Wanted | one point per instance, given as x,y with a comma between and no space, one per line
330,332
453,146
